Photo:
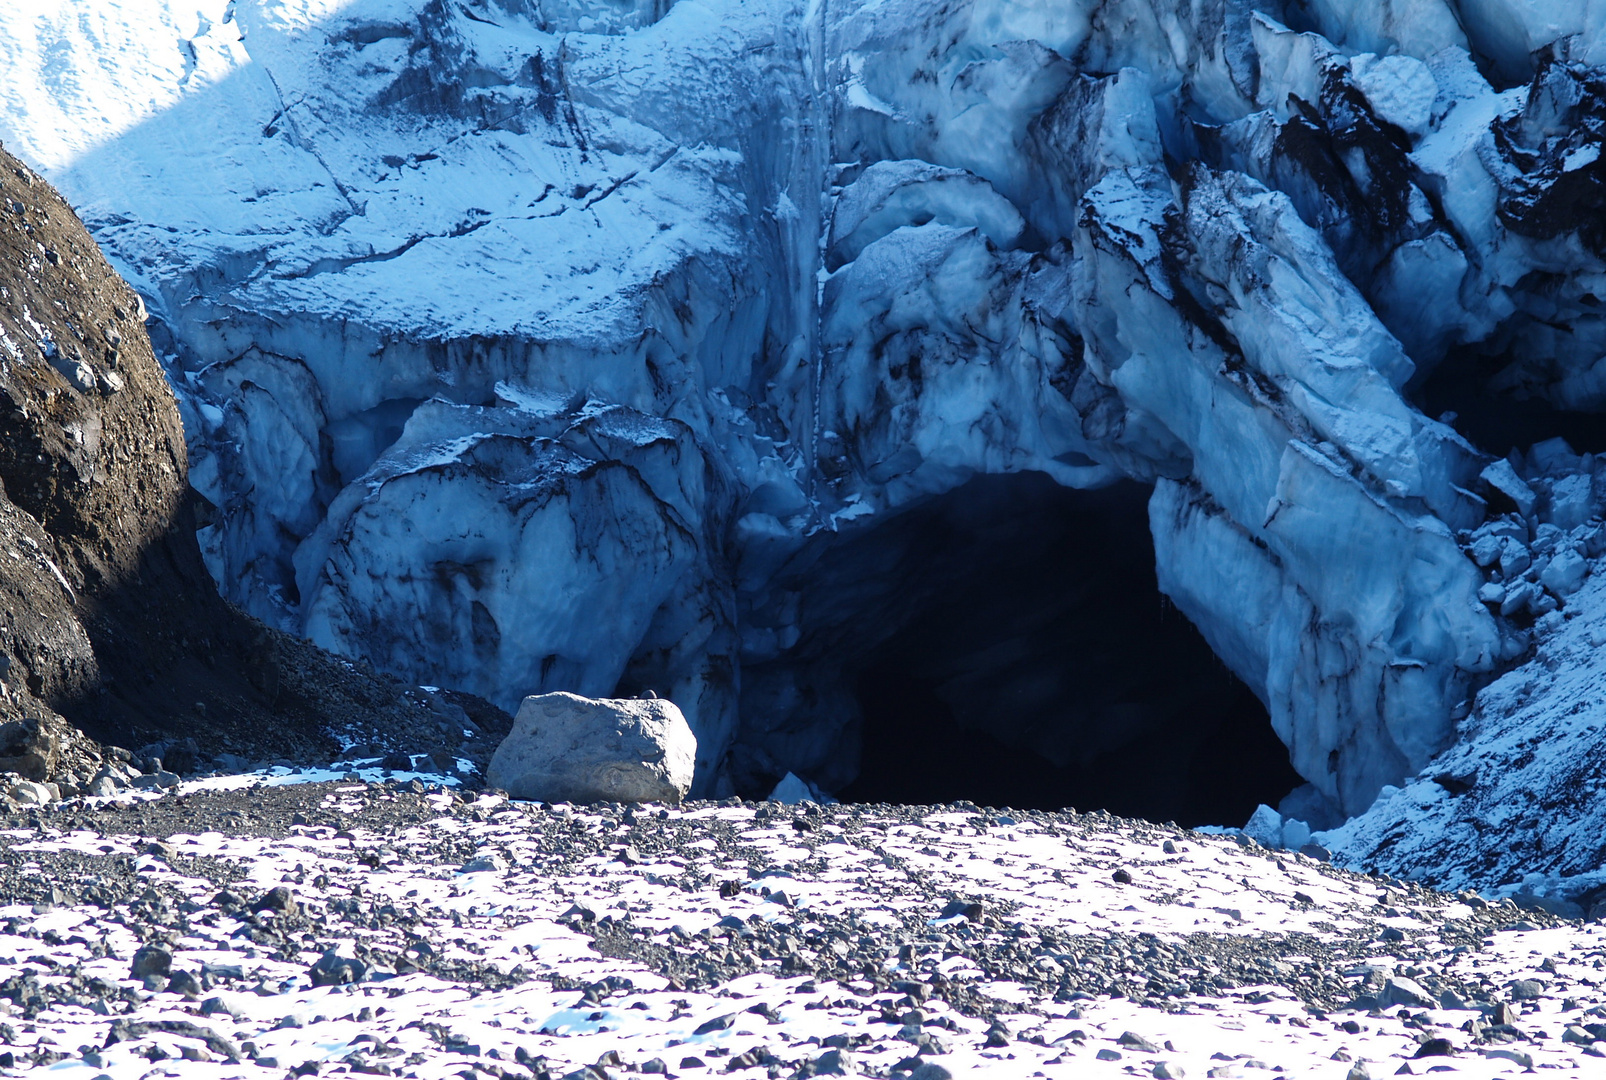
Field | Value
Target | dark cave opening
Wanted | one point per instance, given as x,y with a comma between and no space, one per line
1500,421
1035,664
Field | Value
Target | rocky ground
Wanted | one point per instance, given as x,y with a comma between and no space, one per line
325,922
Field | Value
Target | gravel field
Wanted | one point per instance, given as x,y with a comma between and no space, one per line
303,924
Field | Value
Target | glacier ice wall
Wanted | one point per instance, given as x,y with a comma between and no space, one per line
545,345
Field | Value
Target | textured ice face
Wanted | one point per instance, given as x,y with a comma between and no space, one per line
541,346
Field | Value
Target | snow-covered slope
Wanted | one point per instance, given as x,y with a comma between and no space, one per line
532,346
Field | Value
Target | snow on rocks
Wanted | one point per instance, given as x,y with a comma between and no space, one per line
334,927
1513,803
566,748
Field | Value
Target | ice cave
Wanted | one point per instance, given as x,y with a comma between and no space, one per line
1006,643
1160,406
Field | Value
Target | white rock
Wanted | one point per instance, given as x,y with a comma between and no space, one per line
1521,595
792,790
1515,557
1296,834
1504,479
30,793
1486,550
1399,991
567,748
1265,827
484,864
1571,501
1565,572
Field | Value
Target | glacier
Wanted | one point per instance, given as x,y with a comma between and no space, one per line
529,346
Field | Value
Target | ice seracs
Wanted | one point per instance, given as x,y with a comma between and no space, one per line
545,348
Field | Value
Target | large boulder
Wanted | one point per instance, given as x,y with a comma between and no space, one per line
567,748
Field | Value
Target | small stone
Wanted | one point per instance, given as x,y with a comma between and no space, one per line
278,899
29,793
483,864
1527,990
1576,1034
1166,1071
835,1063
1391,933
930,1070
1265,827
1133,1041
184,982
1107,1054
151,960
1121,877
1435,1048
1517,1057
791,791
1565,573
971,912
332,969
1400,992
1358,1071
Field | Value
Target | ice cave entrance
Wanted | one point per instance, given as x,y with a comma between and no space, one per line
1037,665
